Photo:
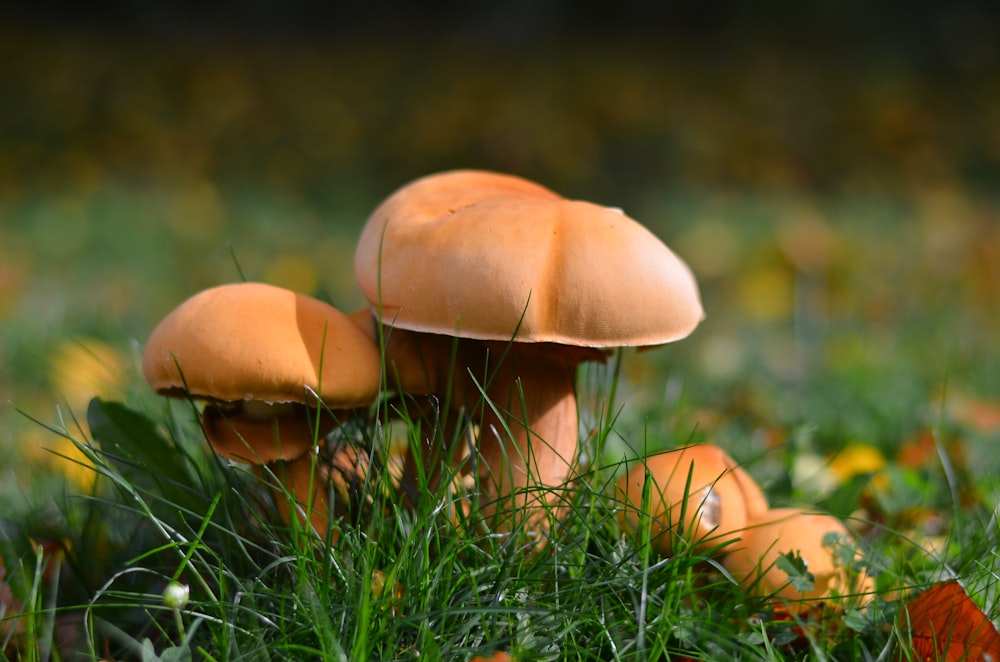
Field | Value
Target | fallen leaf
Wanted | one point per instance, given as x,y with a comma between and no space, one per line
945,624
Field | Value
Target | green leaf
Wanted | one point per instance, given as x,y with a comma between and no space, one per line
133,445
845,499
794,566
175,654
856,620
149,652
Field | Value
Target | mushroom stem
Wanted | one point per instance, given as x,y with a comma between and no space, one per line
307,486
528,434
338,476
522,398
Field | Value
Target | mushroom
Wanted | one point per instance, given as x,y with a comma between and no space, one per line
697,493
524,285
277,369
754,560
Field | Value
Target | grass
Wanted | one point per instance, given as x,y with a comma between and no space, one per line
91,575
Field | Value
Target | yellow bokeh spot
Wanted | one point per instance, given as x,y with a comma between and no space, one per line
79,370
83,368
857,459
66,457
49,452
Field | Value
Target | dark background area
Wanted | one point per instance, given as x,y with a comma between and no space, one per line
931,27
822,95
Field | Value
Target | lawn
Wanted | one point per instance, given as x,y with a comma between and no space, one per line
837,207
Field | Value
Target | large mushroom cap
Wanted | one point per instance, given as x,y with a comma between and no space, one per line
251,341
487,256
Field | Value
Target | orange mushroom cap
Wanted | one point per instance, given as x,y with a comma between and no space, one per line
493,257
261,348
252,341
703,483
753,560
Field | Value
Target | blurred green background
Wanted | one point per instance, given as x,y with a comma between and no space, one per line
830,174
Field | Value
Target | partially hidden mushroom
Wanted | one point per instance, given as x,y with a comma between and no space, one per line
825,547
521,285
697,494
278,370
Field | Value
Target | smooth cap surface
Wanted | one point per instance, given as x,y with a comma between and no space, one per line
483,255
697,492
791,530
252,341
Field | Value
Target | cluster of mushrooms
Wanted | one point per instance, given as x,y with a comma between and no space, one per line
485,292
698,497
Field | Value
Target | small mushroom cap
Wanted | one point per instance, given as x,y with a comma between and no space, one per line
783,530
252,341
715,507
486,256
